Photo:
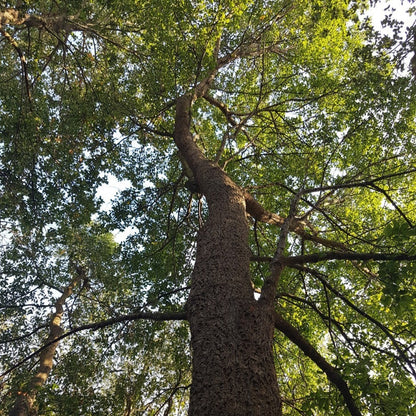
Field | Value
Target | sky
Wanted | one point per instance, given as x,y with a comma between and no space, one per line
399,10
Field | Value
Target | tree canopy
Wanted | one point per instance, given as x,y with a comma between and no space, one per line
305,106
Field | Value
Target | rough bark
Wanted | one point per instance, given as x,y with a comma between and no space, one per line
231,334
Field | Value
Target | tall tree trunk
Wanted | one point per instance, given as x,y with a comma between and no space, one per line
231,333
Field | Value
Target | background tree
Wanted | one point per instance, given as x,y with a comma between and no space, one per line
268,154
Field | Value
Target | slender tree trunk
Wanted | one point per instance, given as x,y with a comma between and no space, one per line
24,404
231,334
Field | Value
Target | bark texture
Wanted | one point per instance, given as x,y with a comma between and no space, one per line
231,334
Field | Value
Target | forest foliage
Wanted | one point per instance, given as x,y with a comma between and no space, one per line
310,101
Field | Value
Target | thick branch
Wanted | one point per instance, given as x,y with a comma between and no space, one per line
296,337
223,108
269,288
336,255
257,211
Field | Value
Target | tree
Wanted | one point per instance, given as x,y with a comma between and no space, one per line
269,154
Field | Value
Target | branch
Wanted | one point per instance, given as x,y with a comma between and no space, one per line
292,261
229,115
259,213
357,184
152,316
296,337
55,23
295,300
348,302
34,331
327,319
269,287
336,255
147,128
22,57
390,199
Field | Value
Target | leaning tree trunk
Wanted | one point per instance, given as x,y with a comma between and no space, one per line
231,334
24,404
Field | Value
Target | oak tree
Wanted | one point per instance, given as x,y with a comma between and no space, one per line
259,256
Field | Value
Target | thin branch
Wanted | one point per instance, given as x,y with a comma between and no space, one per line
348,302
239,126
390,199
149,129
337,224
257,211
34,331
333,375
153,316
172,292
